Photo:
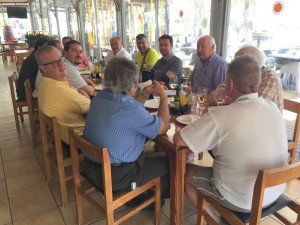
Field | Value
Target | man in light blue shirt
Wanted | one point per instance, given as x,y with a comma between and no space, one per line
119,122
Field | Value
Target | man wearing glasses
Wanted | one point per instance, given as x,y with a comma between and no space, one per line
73,55
57,98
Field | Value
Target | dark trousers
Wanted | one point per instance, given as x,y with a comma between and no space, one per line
141,171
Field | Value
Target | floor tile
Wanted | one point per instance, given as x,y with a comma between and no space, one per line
14,142
3,192
5,212
21,167
31,203
90,213
55,188
16,154
293,189
1,172
26,183
48,217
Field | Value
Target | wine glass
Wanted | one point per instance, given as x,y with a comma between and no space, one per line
202,97
219,96
173,82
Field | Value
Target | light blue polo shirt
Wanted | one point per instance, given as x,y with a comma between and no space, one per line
121,124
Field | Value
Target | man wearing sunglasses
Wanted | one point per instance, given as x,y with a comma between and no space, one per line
73,55
57,98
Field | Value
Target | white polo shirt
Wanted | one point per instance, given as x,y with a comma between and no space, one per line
73,75
246,136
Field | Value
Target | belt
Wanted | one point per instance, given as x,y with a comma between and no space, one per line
95,164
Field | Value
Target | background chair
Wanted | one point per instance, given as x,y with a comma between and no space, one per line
111,203
265,179
17,105
32,112
53,154
294,107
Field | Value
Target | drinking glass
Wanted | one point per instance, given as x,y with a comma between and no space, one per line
219,96
173,82
202,97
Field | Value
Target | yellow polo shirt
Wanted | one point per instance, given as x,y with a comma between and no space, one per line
60,100
151,58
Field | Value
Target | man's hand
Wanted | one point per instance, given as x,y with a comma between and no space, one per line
90,82
170,74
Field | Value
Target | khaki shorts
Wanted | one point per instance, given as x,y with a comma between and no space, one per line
204,181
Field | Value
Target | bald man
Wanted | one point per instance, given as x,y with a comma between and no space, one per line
211,70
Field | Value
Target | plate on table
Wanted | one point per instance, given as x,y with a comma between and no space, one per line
152,104
187,119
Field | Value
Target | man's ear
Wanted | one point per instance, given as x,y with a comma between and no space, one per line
231,85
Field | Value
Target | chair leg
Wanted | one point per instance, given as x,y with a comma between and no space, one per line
16,118
21,113
157,203
79,205
201,206
63,185
33,133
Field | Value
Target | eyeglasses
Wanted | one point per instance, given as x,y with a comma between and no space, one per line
55,63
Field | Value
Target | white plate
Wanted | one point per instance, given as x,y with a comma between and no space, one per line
187,119
151,104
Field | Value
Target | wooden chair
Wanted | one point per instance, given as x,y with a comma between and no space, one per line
294,107
20,58
53,154
111,202
265,179
32,112
17,105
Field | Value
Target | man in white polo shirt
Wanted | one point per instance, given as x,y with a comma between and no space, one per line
73,55
245,136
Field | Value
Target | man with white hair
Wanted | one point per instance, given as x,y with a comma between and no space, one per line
211,70
270,86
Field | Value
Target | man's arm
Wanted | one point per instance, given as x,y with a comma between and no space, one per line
163,109
88,89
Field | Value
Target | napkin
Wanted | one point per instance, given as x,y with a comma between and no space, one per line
144,84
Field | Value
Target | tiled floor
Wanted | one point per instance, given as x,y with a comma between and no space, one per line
27,199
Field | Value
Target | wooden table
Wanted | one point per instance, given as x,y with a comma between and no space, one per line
10,51
177,156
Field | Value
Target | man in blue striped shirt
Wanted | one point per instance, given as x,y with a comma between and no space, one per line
119,121
210,71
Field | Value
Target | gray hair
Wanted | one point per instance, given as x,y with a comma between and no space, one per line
120,75
245,72
40,52
252,50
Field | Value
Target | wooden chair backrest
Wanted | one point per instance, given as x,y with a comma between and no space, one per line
111,203
270,178
12,86
17,105
294,107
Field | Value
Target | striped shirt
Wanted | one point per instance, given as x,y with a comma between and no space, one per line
210,74
121,124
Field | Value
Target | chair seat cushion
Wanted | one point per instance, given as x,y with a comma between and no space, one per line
280,203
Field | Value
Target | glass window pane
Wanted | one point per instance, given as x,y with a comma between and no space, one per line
186,23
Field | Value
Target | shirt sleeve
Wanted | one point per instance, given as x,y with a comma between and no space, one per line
220,74
74,77
146,124
201,135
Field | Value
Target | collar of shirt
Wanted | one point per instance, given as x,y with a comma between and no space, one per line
71,64
167,58
247,97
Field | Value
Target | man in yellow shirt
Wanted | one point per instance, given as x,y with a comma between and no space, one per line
57,98
146,57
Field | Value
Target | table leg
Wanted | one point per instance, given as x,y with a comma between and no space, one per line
177,171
